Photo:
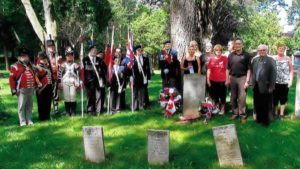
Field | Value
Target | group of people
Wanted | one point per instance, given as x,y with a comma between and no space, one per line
52,74
270,77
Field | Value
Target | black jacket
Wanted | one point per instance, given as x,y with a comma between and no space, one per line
137,74
173,67
267,75
90,77
121,74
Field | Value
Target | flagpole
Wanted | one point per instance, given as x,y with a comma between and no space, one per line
132,96
109,69
81,83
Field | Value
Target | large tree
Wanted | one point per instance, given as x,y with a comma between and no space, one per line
182,21
213,21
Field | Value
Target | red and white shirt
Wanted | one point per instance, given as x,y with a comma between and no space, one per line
217,66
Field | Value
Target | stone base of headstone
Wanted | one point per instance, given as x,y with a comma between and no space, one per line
158,146
193,94
227,144
93,144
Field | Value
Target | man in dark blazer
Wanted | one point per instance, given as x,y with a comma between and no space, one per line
263,71
141,78
95,81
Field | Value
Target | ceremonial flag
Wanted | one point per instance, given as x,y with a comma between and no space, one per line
129,52
81,60
109,52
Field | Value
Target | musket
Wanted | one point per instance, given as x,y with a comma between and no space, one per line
50,63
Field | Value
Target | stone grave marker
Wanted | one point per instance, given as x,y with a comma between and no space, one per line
158,146
297,95
193,92
93,143
227,144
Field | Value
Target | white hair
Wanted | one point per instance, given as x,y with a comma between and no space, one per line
208,44
262,46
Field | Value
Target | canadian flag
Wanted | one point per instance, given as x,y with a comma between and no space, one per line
170,108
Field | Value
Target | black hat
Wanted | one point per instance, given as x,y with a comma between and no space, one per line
23,51
69,51
43,55
168,41
115,57
91,47
137,47
50,42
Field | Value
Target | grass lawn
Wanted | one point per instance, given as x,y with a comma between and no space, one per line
59,143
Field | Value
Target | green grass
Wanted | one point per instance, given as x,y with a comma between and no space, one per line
59,143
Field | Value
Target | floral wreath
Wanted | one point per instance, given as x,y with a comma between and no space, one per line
170,100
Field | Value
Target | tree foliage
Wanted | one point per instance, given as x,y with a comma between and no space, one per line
261,28
150,30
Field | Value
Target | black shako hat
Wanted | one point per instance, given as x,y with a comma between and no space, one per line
43,55
69,51
50,42
23,51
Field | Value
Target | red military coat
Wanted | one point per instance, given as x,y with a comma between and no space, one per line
21,77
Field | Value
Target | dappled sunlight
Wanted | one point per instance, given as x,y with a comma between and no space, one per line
57,143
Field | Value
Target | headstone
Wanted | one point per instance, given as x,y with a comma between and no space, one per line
297,99
93,143
193,92
228,148
158,146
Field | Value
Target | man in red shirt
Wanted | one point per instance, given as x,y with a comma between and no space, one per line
22,84
216,77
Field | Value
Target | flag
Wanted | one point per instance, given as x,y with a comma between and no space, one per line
81,60
109,52
129,52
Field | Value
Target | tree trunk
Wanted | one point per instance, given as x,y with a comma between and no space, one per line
33,20
182,24
204,13
50,23
6,57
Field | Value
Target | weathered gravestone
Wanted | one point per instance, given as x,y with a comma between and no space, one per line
228,148
193,93
93,143
297,99
158,146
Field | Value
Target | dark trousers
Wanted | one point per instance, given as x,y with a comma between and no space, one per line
122,100
263,105
169,82
95,100
218,92
70,108
44,100
139,97
115,100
